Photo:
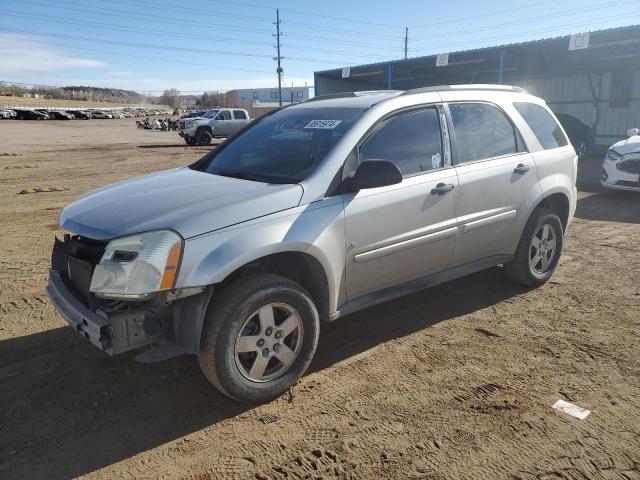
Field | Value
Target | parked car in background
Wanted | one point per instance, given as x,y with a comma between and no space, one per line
46,112
25,114
7,114
221,122
621,166
80,114
579,134
313,212
60,115
100,114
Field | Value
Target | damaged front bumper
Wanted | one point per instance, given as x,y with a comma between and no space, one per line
113,333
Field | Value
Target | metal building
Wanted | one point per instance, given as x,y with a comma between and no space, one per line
592,76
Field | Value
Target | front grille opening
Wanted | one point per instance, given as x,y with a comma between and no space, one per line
74,258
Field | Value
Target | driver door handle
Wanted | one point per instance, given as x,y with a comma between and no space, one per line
521,169
441,189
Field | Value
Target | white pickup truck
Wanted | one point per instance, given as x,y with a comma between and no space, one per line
220,122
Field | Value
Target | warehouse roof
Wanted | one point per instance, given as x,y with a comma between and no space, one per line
607,50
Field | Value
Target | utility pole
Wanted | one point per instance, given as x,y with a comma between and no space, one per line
406,41
278,58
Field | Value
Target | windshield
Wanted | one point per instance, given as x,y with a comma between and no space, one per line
210,114
284,147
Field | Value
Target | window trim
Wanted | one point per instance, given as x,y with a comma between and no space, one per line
521,146
387,118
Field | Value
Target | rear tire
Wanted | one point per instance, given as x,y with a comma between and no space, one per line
259,337
538,250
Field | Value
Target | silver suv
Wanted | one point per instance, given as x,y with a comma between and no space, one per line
315,211
221,122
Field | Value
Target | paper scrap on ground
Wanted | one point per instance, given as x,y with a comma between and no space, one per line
571,409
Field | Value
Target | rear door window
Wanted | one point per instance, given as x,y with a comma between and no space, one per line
482,131
544,126
239,115
411,140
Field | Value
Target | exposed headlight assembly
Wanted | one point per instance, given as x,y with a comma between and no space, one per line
188,124
613,156
135,266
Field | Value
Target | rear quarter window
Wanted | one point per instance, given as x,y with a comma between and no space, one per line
543,125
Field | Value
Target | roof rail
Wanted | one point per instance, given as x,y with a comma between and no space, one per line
363,93
473,86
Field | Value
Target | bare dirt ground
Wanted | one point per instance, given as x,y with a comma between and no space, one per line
453,382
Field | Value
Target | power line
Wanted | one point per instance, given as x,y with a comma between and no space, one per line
563,13
139,45
311,14
154,32
482,15
176,62
144,31
145,17
160,47
191,23
171,7
533,32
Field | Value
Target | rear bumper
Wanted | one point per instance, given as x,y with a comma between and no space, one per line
93,326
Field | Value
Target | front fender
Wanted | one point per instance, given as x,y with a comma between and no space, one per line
316,229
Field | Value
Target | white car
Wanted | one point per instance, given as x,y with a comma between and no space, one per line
7,114
621,166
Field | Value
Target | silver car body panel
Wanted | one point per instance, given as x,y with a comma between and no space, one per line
182,199
365,242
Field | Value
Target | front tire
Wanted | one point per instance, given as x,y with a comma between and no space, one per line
538,250
203,138
259,337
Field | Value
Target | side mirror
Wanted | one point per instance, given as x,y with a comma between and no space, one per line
374,173
632,132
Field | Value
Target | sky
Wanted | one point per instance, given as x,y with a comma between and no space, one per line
198,45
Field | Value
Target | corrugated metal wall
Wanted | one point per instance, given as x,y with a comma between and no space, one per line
572,94
333,85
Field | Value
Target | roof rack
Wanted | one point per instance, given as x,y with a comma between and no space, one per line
473,86
364,93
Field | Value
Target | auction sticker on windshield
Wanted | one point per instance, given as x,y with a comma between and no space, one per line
322,124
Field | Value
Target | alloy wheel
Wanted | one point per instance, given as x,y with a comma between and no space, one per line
542,249
269,342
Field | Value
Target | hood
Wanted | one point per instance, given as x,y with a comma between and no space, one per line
630,145
185,200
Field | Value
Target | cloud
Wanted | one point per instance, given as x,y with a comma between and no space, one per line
18,55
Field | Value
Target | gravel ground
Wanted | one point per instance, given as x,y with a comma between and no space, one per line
452,382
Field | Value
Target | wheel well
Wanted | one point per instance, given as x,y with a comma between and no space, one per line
559,203
204,128
300,267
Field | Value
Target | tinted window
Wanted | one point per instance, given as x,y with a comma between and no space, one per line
282,147
239,115
411,141
544,126
482,131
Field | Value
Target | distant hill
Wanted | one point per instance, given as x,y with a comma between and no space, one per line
104,92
